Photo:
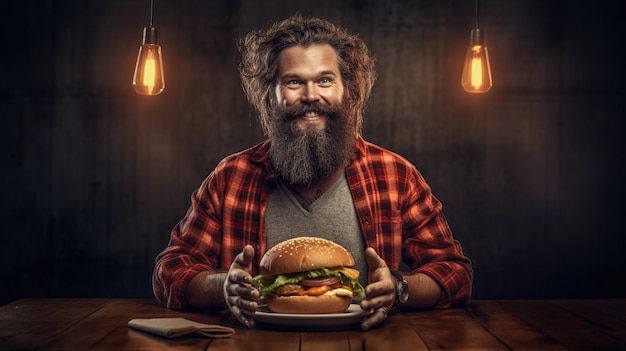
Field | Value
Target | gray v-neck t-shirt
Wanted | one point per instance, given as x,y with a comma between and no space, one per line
332,216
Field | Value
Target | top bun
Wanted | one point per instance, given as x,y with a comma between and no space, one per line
304,254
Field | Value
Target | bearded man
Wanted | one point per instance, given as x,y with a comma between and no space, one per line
315,175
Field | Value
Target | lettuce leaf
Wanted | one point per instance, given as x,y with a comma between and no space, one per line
267,285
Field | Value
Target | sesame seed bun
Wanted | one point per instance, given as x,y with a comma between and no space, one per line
308,304
303,254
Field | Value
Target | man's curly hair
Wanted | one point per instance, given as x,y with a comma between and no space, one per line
259,65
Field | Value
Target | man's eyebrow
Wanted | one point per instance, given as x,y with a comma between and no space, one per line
320,73
326,73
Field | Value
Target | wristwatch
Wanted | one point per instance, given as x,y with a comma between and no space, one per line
402,288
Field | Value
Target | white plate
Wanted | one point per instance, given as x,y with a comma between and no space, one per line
351,318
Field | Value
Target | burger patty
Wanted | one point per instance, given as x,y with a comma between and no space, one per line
289,289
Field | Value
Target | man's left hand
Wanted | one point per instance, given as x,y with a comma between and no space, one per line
380,292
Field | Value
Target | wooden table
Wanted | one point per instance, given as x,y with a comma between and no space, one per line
101,324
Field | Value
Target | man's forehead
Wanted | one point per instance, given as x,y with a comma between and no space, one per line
318,59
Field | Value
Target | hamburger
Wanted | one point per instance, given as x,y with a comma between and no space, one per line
308,275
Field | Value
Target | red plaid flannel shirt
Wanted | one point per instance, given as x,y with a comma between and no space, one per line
400,218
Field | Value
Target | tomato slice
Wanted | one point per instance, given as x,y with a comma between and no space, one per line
320,281
315,291
320,290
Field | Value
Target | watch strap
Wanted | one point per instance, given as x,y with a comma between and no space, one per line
402,288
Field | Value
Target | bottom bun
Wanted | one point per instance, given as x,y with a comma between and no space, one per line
308,304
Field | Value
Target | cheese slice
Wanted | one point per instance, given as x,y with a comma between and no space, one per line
338,292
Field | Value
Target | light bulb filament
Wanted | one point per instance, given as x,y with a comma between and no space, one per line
477,71
149,73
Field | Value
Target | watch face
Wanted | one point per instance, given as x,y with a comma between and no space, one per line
403,291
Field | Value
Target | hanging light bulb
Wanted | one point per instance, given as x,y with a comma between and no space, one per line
476,76
148,78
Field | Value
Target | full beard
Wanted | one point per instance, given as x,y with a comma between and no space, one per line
301,156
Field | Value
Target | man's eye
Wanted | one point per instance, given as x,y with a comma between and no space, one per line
325,81
293,82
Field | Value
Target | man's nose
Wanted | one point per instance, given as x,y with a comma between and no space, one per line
310,92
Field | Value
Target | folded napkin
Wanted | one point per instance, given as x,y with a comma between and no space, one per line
176,327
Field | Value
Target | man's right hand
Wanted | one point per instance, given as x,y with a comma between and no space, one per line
239,293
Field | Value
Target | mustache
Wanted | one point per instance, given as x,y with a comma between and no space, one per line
293,112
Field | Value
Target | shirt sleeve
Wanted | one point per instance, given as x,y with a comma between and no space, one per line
194,247
429,247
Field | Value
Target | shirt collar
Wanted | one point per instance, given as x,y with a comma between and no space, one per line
360,150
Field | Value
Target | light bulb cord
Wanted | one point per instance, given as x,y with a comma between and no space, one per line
151,13
150,32
477,8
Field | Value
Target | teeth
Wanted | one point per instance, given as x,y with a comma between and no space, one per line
311,114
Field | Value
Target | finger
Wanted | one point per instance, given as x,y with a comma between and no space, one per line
374,319
237,305
376,289
242,303
245,292
234,288
248,254
380,291
238,313
370,303
373,260
239,277
239,271
376,302
244,258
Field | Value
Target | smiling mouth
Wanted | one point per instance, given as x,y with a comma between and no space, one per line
312,115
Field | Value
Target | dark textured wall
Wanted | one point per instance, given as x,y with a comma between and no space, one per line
95,176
